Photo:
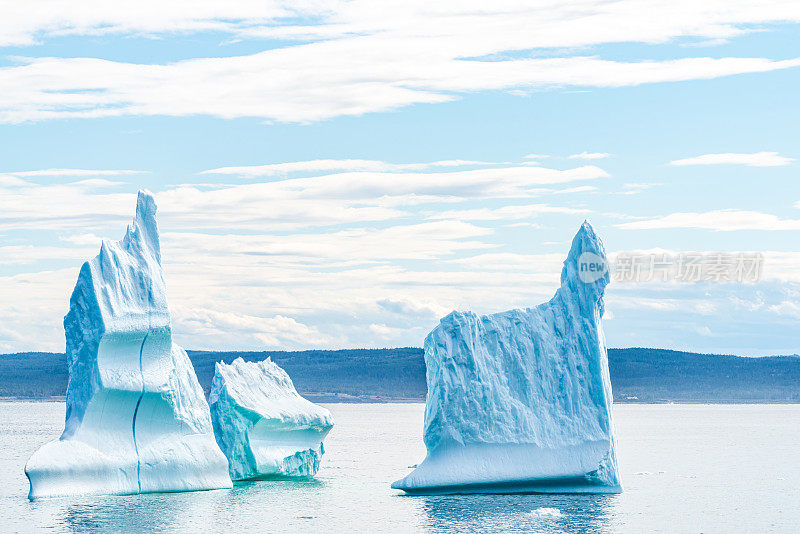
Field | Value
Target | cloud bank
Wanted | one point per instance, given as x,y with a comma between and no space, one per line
345,58
755,159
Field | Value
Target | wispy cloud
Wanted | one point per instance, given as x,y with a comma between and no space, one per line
323,165
320,260
755,159
269,332
344,197
636,188
590,155
506,26
506,212
339,59
21,178
73,172
427,240
411,307
720,220
146,17
320,81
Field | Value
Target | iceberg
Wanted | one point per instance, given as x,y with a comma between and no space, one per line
520,401
262,424
136,420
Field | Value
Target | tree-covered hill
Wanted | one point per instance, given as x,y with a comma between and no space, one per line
364,375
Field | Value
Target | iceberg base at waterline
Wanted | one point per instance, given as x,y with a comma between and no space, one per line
520,401
264,427
507,468
131,442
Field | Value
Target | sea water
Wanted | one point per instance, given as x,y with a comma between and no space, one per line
685,468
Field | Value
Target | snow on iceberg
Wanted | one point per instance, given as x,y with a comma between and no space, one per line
520,401
137,420
262,424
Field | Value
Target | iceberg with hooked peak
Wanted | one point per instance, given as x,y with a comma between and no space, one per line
520,401
137,420
262,424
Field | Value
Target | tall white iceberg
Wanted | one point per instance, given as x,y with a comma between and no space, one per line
137,420
520,401
262,424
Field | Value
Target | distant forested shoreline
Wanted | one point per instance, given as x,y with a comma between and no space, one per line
398,375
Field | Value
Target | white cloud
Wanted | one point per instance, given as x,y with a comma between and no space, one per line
386,332
83,239
636,188
95,183
17,178
504,25
756,159
527,224
7,180
544,266
350,60
781,266
26,254
274,276
321,165
296,296
346,197
73,172
42,19
355,196
578,189
33,305
590,155
477,183
264,332
788,308
705,308
412,307
704,330
423,241
664,303
506,212
319,81
720,220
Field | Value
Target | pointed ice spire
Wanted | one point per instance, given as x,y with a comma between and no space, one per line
144,227
584,243
146,216
586,269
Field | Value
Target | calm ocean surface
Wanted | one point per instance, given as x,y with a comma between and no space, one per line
686,468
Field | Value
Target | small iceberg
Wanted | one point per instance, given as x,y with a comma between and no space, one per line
546,512
520,401
137,420
262,424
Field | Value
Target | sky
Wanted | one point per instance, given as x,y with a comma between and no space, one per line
343,174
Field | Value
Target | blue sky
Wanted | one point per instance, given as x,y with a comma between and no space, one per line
369,247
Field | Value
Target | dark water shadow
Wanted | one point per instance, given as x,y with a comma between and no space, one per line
213,510
277,483
150,512
566,485
552,513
